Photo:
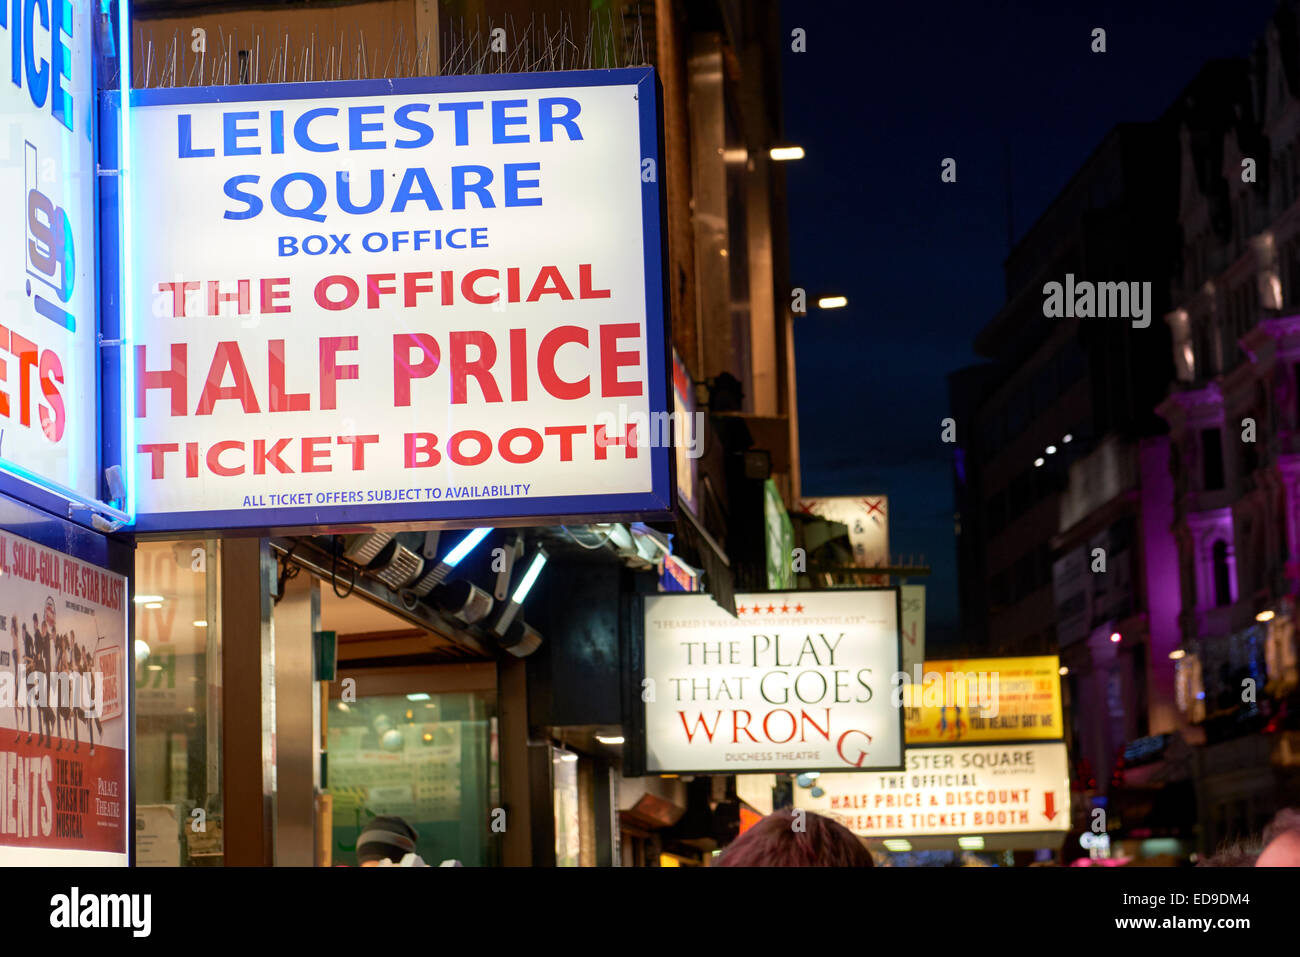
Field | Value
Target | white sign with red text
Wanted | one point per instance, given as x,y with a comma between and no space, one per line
990,789
434,303
797,681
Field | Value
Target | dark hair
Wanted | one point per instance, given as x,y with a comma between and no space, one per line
796,839
1287,819
1240,854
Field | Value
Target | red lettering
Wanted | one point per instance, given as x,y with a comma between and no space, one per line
404,371
550,379
172,379
229,357
480,368
421,450
331,372
281,401
611,359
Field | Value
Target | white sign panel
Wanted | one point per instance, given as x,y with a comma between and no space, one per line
992,789
48,349
399,300
867,518
797,681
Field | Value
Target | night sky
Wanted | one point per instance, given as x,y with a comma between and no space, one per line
884,92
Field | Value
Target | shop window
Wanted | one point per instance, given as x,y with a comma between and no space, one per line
178,704
427,758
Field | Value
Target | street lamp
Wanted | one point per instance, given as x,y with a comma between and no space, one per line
832,302
783,153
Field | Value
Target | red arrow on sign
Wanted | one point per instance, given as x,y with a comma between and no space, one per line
1049,805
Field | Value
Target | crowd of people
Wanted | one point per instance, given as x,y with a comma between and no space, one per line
58,674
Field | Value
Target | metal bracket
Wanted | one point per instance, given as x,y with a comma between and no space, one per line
109,342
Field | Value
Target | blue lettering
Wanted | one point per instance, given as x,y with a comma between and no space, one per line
376,192
234,192
423,131
300,132
462,117
233,134
416,176
459,186
38,81
357,129
500,121
514,184
61,62
547,120
312,209
185,138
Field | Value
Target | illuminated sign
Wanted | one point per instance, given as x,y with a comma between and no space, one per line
986,789
983,699
49,355
423,299
797,681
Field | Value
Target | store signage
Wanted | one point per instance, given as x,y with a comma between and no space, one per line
867,519
989,789
796,681
49,356
64,711
420,299
983,699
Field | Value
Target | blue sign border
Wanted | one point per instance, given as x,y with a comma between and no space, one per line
655,504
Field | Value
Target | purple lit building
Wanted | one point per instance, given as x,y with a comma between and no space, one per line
1234,419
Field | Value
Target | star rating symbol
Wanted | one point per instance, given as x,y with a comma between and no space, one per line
771,609
740,610
785,609
798,609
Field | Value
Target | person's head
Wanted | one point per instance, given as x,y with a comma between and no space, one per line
1238,854
385,838
1282,840
796,839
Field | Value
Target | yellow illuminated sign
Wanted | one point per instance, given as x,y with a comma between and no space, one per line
983,699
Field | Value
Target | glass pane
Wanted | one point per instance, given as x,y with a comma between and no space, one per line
178,704
428,759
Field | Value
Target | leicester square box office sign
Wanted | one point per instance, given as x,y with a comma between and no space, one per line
406,300
796,681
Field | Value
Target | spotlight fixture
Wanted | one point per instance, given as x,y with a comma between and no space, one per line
363,549
832,302
1067,439
463,601
1267,615
438,574
507,616
609,738
1063,671
1038,462
397,565
1177,653
1051,450
1115,636
784,153
520,639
